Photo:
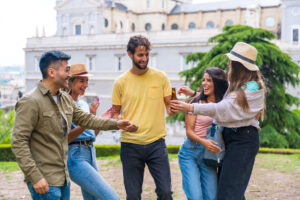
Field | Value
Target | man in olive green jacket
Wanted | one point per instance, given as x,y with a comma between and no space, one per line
43,120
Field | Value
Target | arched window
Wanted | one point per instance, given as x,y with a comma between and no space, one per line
192,25
105,22
77,29
270,22
121,24
64,31
132,27
229,22
163,27
92,30
174,27
210,24
148,27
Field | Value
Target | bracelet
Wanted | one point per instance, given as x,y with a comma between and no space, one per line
194,94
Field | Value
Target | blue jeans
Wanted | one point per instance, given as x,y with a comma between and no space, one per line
55,193
199,181
84,172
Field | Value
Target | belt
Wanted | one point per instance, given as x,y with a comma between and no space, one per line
243,128
85,142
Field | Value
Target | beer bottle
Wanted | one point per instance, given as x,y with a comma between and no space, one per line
173,97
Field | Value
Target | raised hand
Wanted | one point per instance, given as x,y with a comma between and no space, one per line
127,126
41,187
211,146
186,91
107,113
94,106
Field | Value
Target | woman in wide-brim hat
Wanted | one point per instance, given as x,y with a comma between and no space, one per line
237,113
82,154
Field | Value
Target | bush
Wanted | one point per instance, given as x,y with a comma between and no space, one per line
107,150
269,137
6,154
6,126
293,139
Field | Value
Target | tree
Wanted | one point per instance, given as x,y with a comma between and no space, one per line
276,66
6,126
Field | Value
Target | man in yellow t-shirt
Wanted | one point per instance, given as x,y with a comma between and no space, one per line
142,93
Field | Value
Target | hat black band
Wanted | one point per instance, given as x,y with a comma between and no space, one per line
242,57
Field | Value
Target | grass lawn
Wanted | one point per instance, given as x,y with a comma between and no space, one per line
274,176
282,163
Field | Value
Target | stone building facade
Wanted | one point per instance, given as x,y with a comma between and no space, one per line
96,32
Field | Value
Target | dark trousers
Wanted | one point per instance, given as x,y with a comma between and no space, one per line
155,155
241,146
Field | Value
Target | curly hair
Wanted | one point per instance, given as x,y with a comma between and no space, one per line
138,40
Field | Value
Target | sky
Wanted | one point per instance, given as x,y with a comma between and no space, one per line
19,19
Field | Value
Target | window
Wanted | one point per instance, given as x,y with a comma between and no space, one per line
132,27
119,62
64,33
270,22
90,62
192,25
162,4
148,4
295,33
229,22
174,27
92,30
105,22
77,29
210,24
152,61
183,65
148,27
37,63
163,27
121,25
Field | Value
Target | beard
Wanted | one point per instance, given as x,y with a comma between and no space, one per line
139,66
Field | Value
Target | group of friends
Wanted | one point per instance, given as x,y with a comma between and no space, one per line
54,129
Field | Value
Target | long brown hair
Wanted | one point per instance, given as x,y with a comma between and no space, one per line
219,79
238,76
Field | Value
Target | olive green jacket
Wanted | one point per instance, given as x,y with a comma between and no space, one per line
38,140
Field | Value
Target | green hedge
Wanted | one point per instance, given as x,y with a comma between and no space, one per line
112,150
5,153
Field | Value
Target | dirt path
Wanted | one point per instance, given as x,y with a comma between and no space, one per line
265,184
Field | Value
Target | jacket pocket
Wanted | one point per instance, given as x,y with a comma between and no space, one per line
69,116
49,120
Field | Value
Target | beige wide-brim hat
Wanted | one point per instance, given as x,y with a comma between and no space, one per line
79,70
245,54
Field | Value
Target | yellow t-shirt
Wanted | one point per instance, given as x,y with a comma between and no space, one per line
141,98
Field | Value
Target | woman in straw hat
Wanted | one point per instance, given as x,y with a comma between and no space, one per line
237,113
82,155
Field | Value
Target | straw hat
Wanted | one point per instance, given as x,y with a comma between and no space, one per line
79,70
245,54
